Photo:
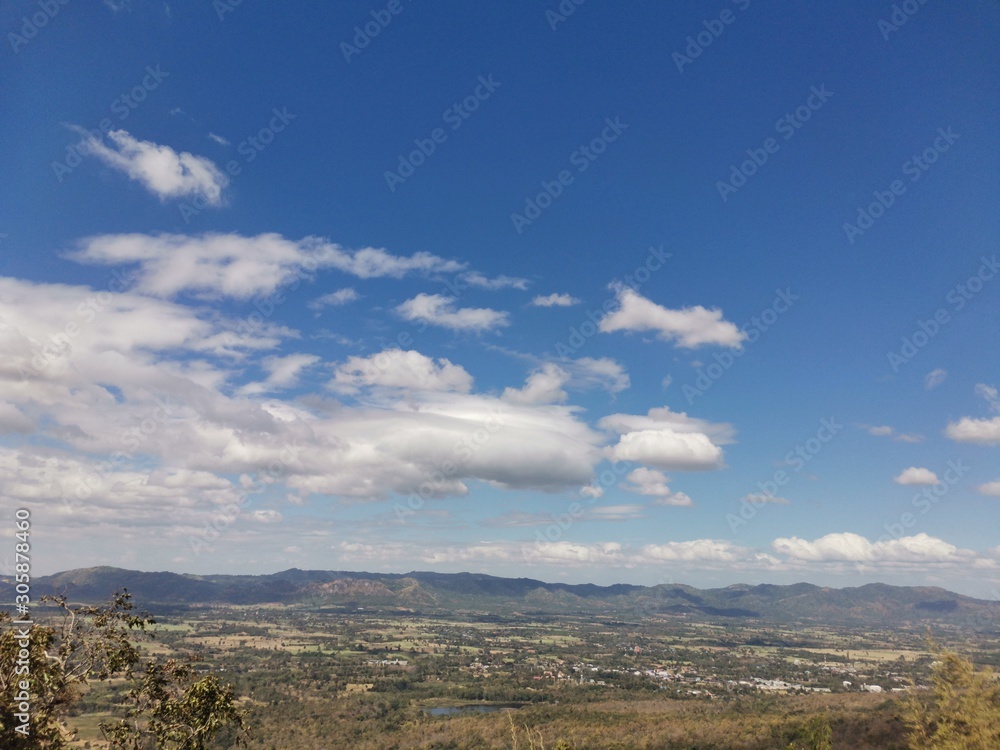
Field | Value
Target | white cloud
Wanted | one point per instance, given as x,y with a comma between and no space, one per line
654,483
917,475
439,310
161,170
283,372
398,368
690,327
413,416
656,418
980,431
848,547
334,299
264,516
696,550
831,551
990,488
567,554
242,267
971,430
543,386
667,449
555,300
935,378
218,139
668,440
603,373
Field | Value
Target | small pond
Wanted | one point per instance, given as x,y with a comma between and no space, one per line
468,708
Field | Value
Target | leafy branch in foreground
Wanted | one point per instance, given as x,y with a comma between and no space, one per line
962,711
165,707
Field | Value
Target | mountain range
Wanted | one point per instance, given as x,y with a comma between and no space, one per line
873,604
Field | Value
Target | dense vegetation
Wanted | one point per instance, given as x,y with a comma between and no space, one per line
351,679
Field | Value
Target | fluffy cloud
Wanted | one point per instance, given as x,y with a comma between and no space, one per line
667,449
917,475
555,300
283,372
544,386
438,310
658,418
668,440
543,553
398,368
161,170
990,488
546,383
236,266
980,431
81,491
654,483
848,547
139,362
791,554
697,550
970,430
690,327
603,373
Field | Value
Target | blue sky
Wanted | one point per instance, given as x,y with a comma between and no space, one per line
264,272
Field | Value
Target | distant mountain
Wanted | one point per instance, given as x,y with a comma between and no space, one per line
875,604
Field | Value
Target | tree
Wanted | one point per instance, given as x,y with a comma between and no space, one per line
42,669
962,711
